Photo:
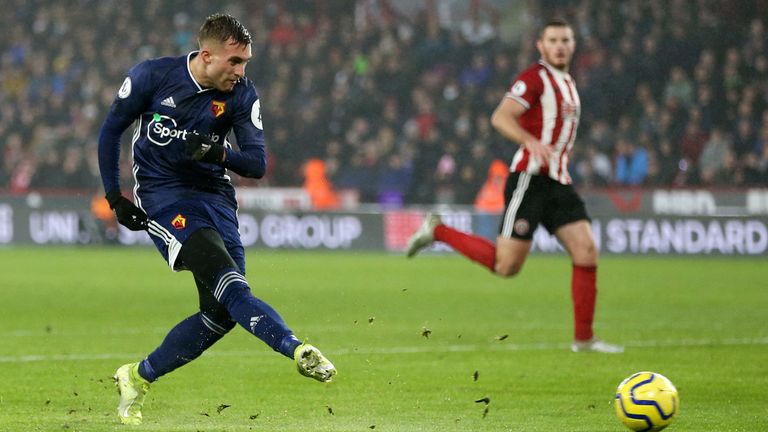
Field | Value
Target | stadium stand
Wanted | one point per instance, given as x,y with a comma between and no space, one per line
395,97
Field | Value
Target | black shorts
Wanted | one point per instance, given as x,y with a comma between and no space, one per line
534,199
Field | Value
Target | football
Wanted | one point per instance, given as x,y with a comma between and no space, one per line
647,401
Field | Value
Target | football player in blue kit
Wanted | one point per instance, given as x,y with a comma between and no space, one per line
184,108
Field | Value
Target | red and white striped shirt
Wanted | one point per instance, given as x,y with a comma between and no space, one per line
552,116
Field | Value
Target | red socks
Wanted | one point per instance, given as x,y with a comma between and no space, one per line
584,293
476,248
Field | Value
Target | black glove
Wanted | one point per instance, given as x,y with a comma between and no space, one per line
202,148
128,214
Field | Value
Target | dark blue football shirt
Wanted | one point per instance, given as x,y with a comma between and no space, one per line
167,105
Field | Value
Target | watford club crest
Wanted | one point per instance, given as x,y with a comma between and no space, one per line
218,108
179,222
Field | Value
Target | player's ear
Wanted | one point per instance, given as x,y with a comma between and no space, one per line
205,55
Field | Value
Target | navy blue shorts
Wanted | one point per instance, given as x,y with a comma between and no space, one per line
171,227
537,199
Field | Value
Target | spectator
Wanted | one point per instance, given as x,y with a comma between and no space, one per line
668,165
756,167
621,85
679,87
650,69
745,137
631,163
394,182
490,197
75,175
319,188
358,177
692,143
48,171
713,158
477,73
284,32
601,136
446,174
475,31
594,169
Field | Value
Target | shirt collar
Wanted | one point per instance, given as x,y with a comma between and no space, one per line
555,71
190,56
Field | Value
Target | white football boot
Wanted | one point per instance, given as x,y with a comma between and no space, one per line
425,235
596,345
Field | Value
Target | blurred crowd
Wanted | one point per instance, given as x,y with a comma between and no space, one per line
394,97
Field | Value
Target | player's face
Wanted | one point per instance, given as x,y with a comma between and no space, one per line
227,64
556,46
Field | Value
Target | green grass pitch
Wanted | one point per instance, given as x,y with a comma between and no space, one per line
407,336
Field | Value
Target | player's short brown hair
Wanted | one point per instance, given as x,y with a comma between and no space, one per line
221,28
557,22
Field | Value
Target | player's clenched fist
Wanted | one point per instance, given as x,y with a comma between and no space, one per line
202,148
127,213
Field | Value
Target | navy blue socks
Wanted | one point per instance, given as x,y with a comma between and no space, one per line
184,343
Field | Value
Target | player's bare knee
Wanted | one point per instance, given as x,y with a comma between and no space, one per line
585,254
508,269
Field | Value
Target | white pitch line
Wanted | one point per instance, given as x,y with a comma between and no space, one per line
107,332
421,349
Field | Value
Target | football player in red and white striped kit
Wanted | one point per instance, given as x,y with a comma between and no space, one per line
540,112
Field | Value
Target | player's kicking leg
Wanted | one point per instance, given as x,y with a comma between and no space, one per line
205,254
133,389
